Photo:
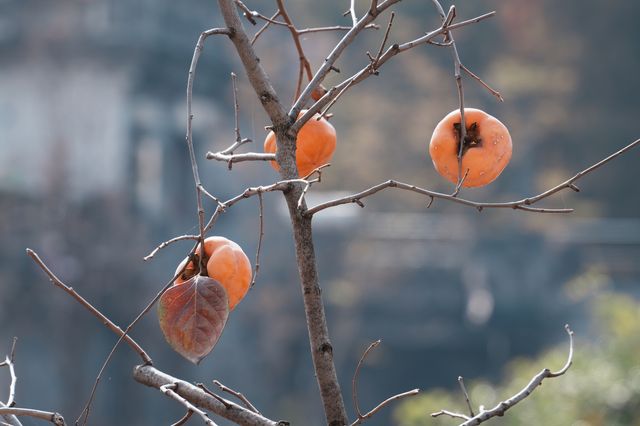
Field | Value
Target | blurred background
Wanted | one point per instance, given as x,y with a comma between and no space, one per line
94,174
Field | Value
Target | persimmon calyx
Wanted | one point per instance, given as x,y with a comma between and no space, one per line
472,137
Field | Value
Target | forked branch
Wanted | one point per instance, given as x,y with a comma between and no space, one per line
150,376
523,204
354,383
503,406
365,72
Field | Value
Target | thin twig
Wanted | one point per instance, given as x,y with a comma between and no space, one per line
354,380
169,391
304,65
92,309
256,268
384,41
184,418
153,377
482,83
169,242
352,12
238,395
460,182
189,137
354,383
383,404
54,418
523,204
500,409
340,93
12,354
250,14
329,63
239,158
236,105
87,408
463,388
361,75
332,28
264,27
223,401
9,362
214,198
450,414
222,207
302,194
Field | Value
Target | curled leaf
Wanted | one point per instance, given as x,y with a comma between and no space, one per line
192,316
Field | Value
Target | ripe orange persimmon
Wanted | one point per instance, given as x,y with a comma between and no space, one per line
486,150
226,263
315,146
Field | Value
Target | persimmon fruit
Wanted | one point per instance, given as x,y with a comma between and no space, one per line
485,153
315,145
226,263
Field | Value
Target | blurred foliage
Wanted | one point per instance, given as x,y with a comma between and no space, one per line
602,387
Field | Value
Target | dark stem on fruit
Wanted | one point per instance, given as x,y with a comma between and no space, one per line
471,139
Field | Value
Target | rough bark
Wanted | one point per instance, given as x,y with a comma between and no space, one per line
321,349
150,376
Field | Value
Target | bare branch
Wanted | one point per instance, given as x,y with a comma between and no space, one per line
256,267
251,14
264,28
256,74
482,83
222,207
463,388
238,395
8,362
189,138
384,403
450,414
332,28
150,376
85,411
373,9
239,158
354,382
364,73
384,42
236,106
93,310
184,418
8,419
500,409
460,181
54,418
169,390
330,61
305,66
169,242
523,204
352,12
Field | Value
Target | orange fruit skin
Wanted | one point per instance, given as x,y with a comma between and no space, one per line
485,161
315,146
227,263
